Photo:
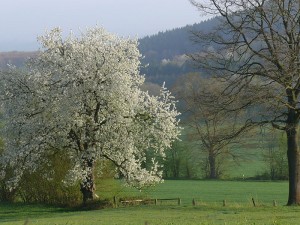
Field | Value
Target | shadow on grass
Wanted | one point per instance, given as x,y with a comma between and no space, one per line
10,212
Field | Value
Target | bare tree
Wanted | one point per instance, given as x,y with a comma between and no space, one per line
257,44
211,127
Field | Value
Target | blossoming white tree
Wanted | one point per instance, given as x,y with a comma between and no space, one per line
82,94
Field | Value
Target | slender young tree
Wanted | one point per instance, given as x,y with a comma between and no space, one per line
83,94
257,44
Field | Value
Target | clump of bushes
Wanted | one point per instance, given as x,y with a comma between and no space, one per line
44,185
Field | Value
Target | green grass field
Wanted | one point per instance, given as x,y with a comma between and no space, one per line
209,196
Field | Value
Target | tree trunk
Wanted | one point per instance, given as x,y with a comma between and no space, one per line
212,166
294,166
87,186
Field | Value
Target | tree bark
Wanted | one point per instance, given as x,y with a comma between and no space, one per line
212,166
87,187
294,165
293,154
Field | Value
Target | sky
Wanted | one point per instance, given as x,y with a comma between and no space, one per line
21,21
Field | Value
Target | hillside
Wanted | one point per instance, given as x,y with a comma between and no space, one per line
165,52
171,43
15,58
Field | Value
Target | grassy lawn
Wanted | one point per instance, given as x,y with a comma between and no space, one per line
209,208
161,215
240,192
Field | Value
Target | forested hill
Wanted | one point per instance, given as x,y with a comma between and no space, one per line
15,58
165,52
171,43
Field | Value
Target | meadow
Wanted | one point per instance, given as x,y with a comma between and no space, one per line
209,209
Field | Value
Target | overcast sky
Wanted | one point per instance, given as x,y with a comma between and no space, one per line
21,21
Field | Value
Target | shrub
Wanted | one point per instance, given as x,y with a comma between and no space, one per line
45,185
6,193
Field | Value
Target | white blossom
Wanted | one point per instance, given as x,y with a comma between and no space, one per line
82,94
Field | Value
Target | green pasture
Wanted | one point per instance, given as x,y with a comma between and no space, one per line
207,192
209,209
249,164
250,153
214,192
160,215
